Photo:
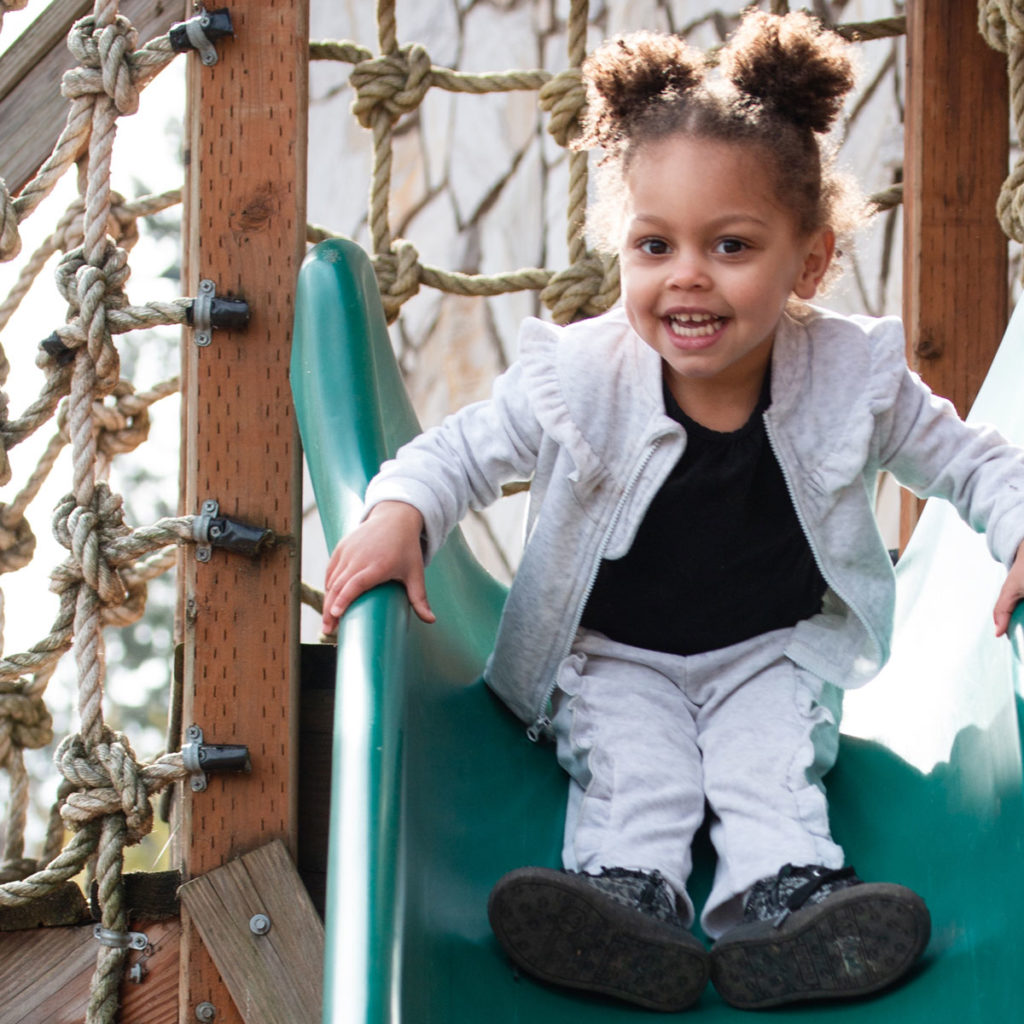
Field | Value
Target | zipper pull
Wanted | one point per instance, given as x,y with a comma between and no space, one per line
541,726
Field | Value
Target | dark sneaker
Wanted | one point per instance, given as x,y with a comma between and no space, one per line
815,933
617,933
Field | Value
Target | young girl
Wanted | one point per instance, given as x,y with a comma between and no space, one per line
703,573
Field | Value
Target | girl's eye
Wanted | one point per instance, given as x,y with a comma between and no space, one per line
653,246
730,246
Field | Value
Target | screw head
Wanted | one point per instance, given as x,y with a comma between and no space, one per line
206,1012
259,924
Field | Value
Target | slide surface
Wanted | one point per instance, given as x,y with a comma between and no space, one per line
437,791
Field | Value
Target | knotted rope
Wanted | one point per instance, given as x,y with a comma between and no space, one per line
105,796
1001,22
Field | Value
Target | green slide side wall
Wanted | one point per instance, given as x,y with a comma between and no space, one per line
437,791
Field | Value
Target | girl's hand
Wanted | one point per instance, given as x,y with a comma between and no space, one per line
1012,592
385,546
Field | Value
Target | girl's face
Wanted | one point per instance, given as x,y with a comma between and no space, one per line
709,260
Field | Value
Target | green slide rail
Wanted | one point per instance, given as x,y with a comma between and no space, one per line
437,791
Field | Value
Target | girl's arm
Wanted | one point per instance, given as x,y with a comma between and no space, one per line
931,450
418,497
463,462
385,546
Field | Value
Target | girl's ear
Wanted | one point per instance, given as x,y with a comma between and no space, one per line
818,257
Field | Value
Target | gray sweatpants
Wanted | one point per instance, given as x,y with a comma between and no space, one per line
648,737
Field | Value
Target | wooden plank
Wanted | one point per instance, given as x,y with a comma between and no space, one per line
245,217
275,977
955,283
45,976
48,32
32,110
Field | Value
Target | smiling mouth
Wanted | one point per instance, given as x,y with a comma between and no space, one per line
694,325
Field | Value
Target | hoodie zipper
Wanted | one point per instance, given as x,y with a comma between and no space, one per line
542,721
810,540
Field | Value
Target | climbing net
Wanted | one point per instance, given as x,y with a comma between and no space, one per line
104,795
104,798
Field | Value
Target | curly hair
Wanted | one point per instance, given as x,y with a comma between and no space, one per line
780,85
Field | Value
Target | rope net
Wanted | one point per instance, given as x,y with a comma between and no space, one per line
104,798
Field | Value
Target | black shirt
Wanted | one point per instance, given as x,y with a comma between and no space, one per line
720,555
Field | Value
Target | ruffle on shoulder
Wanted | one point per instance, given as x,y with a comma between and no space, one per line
539,350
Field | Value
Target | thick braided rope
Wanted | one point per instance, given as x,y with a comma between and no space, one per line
106,795
393,85
92,278
1001,22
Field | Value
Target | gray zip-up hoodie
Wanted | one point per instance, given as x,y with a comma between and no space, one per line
581,412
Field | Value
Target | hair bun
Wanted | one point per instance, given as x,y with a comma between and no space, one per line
791,64
626,73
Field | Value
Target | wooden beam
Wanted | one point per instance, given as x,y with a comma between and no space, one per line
245,225
32,110
45,975
274,971
955,282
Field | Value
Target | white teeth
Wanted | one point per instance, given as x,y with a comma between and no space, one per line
694,325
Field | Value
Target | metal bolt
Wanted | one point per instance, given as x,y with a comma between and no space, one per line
206,1012
259,924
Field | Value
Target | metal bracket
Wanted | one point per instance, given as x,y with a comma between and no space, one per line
199,758
212,530
200,32
209,310
120,940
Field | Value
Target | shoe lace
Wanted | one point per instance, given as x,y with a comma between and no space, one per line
817,879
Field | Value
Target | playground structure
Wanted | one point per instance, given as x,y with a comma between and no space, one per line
245,231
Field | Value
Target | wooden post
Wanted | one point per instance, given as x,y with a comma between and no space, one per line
245,230
955,282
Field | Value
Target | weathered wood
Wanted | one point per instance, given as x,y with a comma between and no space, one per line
45,976
275,977
32,109
955,282
244,217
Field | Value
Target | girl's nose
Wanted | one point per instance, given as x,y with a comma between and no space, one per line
688,272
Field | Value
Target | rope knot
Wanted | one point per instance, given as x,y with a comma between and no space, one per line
25,722
105,780
122,224
123,426
999,21
587,288
17,542
564,97
87,533
10,240
104,54
398,274
395,83
90,291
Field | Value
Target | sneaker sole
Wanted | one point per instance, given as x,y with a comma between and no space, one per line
561,930
856,942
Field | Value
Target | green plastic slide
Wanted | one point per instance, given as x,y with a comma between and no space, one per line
437,791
